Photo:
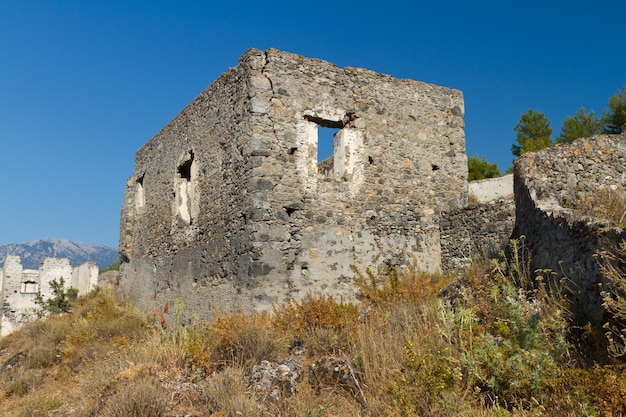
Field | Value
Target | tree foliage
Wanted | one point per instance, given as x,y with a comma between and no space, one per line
479,168
615,118
533,133
581,125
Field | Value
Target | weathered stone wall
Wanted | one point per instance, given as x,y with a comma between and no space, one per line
171,247
229,207
53,269
475,231
85,277
10,285
19,287
563,239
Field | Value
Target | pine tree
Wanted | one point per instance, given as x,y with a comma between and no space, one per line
533,133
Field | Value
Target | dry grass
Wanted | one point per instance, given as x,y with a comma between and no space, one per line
142,398
501,355
603,203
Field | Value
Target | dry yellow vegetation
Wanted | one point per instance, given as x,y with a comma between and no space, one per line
505,348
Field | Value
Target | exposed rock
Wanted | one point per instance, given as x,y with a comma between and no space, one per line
298,347
13,361
270,381
457,294
332,372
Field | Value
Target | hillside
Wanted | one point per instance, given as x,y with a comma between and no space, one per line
31,253
485,348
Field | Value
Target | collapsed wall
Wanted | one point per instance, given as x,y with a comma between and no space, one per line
229,205
559,193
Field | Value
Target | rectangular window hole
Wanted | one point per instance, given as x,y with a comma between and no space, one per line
326,130
325,142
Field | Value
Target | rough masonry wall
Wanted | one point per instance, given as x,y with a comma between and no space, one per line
258,219
399,159
85,277
185,218
562,239
474,232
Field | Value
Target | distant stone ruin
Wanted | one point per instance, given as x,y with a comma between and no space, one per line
20,286
230,206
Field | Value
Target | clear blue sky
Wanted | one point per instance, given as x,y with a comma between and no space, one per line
83,84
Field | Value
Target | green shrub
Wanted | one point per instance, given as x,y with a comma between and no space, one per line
61,301
115,266
524,335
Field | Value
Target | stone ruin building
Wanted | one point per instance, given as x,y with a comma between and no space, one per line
19,287
229,206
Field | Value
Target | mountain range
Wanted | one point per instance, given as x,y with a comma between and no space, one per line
32,253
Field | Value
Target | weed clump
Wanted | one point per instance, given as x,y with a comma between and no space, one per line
613,267
142,398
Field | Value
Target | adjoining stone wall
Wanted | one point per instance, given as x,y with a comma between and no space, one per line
19,287
564,240
491,189
228,206
85,277
475,231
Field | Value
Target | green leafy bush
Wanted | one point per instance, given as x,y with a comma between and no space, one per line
61,301
524,335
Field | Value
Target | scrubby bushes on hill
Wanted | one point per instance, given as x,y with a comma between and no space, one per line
498,344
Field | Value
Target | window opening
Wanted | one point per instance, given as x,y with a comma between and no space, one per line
184,170
29,287
184,190
139,194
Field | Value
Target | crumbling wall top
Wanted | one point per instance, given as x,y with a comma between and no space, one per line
568,180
